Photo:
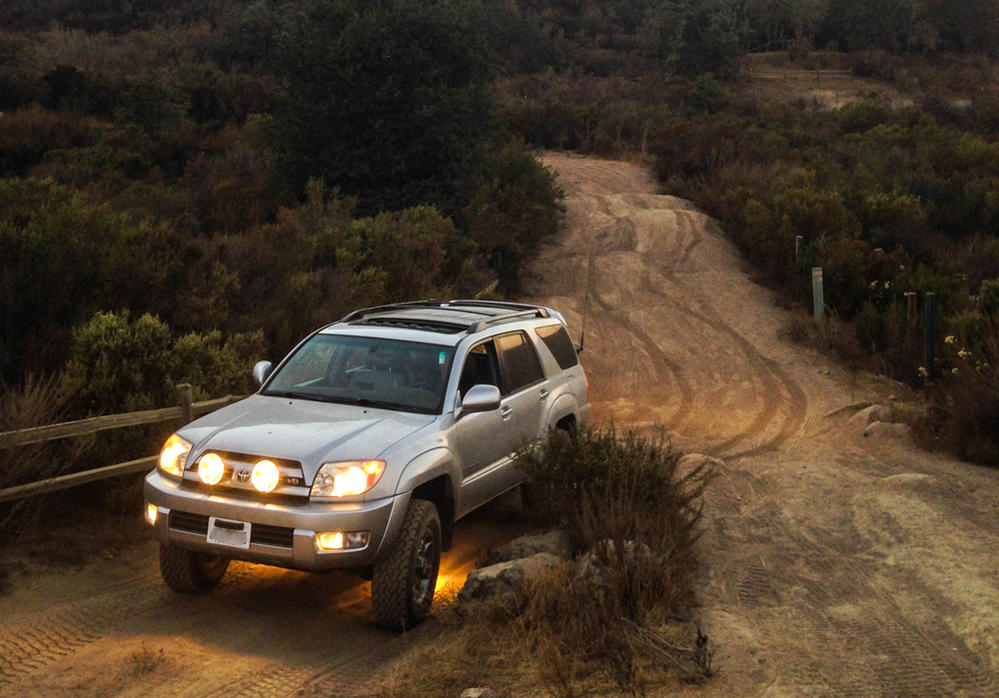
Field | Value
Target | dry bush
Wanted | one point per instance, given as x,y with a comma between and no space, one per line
624,501
37,402
829,335
617,620
965,413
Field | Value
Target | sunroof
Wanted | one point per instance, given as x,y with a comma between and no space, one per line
414,324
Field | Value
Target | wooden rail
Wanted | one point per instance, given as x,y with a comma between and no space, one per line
82,427
818,74
185,412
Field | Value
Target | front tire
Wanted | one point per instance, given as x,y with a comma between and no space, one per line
190,571
403,584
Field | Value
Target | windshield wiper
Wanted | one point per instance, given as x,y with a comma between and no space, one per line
293,395
368,402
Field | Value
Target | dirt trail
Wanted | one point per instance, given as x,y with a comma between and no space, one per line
114,629
834,564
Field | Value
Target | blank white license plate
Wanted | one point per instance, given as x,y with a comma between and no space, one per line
235,534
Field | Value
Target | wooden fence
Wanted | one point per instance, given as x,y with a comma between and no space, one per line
185,411
818,74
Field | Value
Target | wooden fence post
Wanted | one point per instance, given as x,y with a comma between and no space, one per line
910,300
818,302
930,332
185,398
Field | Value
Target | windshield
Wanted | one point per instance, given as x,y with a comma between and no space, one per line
407,376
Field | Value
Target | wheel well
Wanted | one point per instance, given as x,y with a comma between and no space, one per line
567,423
439,492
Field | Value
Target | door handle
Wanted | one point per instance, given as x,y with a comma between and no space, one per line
544,393
505,413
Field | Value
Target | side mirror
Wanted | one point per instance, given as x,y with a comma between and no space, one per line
481,398
261,370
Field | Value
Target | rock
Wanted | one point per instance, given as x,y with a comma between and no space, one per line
480,693
690,461
909,481
882,430
874,413
505,580
596,565
554,543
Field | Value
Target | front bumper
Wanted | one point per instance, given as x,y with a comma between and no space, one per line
281,534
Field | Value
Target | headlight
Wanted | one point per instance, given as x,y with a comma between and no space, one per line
347,479
211,468
173,457
265,476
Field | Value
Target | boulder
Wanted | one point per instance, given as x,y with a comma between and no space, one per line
554,542
874,413
884,430
504,581
480,693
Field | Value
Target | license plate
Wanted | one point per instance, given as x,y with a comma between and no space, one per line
235,534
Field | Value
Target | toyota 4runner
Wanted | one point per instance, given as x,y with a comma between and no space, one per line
365,445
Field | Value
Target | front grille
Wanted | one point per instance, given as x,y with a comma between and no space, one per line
276,536
260,534
190,523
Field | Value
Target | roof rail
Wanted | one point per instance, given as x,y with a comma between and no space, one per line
519,310
494,304
506,317
358,314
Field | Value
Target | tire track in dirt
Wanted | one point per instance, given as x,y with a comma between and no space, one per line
634,224
35,641
782,401
837,596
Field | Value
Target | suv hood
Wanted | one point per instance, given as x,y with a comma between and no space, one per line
311,433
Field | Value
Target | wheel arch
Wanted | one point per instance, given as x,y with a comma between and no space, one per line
433,476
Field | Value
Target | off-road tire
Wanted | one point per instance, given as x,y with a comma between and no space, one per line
402,585
190,571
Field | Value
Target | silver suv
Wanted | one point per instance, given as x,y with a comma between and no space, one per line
365,445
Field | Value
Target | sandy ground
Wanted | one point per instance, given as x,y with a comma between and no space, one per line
833,564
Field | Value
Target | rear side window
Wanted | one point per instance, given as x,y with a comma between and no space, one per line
557,340
518,361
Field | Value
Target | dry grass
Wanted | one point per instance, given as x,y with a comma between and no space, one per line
38,401
619,619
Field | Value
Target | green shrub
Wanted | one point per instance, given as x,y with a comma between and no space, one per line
121,364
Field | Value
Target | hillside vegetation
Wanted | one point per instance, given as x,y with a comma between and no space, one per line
186,188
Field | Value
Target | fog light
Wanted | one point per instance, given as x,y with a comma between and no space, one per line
265,476
337,540
329,541
211,468
151,512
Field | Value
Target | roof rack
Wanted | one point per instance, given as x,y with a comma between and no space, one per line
506,317
358,314
518,310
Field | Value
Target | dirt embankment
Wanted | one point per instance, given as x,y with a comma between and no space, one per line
834,564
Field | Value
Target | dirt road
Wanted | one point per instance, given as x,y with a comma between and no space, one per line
834,564
113,628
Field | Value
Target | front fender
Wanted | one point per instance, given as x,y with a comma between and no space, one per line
428,466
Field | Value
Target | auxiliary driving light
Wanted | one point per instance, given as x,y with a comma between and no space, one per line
211,468
265,476
151,512
337,540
